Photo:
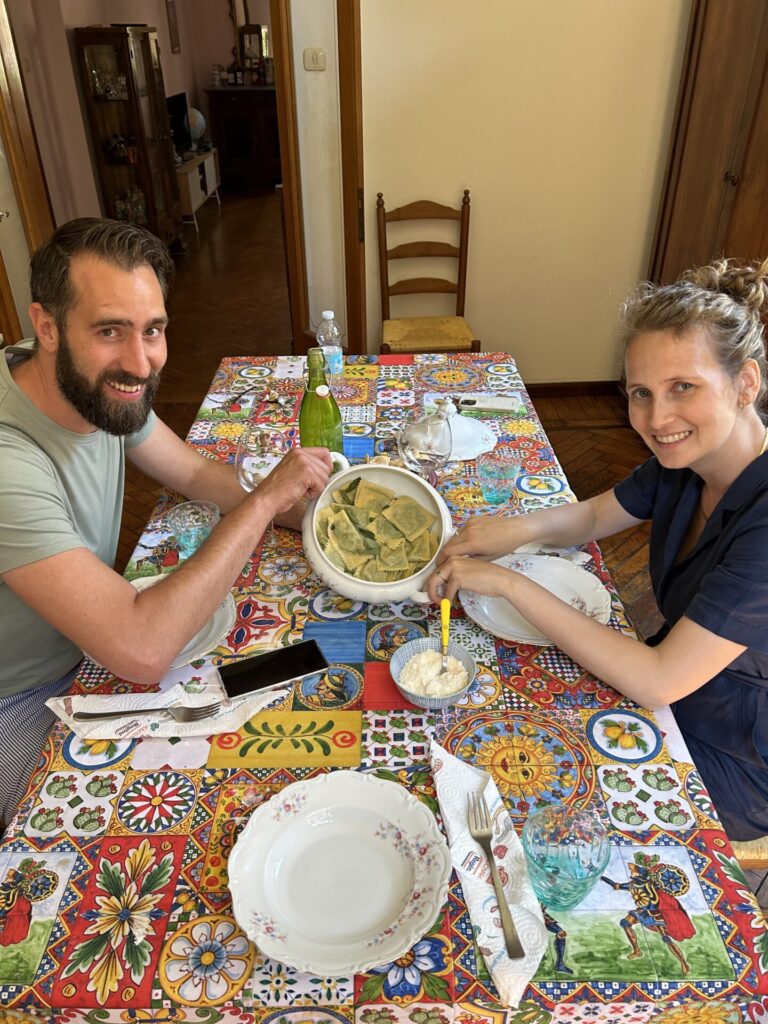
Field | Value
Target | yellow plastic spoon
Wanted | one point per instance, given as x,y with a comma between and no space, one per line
445,625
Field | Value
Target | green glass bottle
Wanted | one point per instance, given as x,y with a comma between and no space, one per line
319,416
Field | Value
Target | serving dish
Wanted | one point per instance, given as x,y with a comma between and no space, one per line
402,482
569,582
338,874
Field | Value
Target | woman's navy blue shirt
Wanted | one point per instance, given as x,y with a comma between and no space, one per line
722,584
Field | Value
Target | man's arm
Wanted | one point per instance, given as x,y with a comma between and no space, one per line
137,635
174,463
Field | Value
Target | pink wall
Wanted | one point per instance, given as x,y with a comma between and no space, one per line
44,46
213,36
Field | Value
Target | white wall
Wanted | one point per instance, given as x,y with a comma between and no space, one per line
557,116
54,104
317,109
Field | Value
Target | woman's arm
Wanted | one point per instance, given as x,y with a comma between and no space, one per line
688,657
561,526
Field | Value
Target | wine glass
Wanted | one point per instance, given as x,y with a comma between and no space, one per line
424,442
259,449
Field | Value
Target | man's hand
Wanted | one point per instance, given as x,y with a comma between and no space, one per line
302,474
293,519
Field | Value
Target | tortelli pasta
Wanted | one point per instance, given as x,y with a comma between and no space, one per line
369,532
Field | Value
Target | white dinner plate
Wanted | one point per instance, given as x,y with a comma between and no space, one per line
212,633
470,438
338,874
569,582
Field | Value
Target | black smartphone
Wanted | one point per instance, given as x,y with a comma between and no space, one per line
283,665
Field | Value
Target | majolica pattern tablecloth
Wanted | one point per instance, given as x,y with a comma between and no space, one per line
113,880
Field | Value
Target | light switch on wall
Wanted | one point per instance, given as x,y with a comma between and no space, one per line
314,58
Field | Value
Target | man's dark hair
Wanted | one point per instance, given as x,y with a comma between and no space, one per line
124,245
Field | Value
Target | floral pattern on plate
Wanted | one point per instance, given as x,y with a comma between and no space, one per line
383,863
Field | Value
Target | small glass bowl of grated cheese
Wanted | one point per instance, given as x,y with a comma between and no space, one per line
416,668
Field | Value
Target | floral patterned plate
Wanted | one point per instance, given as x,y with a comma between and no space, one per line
338,874
569,582
212,633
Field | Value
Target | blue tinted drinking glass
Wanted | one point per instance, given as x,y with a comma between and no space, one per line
566,850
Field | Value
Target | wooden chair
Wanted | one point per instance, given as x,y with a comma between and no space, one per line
425,333
752,855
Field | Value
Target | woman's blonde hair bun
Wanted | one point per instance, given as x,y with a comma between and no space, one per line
726,300
746,284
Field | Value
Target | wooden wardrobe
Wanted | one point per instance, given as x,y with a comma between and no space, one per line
715,196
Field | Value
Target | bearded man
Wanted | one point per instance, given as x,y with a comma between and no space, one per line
73,404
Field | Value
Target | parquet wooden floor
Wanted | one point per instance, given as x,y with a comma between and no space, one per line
230,297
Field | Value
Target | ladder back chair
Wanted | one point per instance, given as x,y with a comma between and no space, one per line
752,855
425,333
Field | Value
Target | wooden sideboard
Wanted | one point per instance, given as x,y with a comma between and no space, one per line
244,130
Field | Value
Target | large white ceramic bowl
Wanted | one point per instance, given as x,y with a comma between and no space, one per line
402,482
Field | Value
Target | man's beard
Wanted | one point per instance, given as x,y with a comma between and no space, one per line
111,415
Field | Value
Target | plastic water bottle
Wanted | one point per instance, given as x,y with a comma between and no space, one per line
319,416
328,337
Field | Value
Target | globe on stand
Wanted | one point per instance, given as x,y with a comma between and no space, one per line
195,125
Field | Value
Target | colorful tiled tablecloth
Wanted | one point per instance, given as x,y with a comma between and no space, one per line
113,880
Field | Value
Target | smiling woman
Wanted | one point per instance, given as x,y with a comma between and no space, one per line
696,383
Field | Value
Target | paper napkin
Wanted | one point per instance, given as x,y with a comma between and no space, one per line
232,715
455,780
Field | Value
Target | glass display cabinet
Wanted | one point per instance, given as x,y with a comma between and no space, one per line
124,97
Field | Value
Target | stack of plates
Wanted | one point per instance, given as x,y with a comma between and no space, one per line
212,633
569,582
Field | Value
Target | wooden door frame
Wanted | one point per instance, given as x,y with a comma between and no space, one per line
353,208
350,110
24,165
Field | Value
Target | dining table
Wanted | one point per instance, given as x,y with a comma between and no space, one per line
115,903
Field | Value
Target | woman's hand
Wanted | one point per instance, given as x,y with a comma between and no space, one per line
474,574
487,537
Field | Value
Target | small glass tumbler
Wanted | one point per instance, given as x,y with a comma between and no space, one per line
566,850
190,523
497,472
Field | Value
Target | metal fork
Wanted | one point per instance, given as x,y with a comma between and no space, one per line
180,713
481,830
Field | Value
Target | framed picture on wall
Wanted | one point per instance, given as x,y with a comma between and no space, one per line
173,25
249,37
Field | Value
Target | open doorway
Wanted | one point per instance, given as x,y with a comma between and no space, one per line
42,31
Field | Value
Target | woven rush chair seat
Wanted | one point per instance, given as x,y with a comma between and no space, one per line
428,334
424,333
752,854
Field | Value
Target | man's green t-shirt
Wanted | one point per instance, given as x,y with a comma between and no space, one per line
58,490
